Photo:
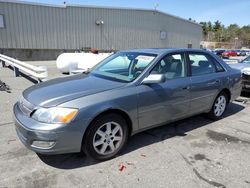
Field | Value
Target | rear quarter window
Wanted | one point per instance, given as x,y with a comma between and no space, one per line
219,67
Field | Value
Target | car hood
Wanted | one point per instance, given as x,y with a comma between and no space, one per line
240,66
60,90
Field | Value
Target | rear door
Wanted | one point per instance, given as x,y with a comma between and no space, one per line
206,80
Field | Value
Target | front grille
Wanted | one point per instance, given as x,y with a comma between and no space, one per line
245,76
25,106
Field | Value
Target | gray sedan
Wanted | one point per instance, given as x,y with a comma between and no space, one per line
127,93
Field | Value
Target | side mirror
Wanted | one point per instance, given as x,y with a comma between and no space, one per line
154,79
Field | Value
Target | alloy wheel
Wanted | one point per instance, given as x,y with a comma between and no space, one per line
108,138
220,105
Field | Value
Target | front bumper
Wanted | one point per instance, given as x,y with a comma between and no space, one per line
245,85
66,138
245,82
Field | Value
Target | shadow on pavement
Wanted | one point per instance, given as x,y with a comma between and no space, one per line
179,128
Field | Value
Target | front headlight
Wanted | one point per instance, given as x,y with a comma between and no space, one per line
54,115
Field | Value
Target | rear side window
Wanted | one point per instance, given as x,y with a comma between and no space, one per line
201,64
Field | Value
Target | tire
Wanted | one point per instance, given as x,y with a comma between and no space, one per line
219,106
105,137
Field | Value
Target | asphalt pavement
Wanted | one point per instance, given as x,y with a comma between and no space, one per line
195,152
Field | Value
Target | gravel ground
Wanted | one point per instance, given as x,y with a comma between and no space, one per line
194,152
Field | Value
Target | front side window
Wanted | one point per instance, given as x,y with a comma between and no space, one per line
171,66
123,66
201,64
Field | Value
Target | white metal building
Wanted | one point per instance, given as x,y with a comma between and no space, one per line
32,28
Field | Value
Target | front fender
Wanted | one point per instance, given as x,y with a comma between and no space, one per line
123,99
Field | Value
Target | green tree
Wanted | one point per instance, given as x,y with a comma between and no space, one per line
217,32
210,26
204,29
217,26
245,35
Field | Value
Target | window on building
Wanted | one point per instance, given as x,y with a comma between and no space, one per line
2,21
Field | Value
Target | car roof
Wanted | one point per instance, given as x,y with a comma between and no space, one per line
159,51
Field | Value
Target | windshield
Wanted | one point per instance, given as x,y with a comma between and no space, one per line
123,66
247,60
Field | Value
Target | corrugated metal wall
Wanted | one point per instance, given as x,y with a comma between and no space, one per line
45,27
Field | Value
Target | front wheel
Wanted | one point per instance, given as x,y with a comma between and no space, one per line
106,137
219,106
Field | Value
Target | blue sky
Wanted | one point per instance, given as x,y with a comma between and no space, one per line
226,11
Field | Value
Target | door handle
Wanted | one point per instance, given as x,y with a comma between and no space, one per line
186,88
213,83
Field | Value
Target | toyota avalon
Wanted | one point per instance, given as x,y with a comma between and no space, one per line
128,92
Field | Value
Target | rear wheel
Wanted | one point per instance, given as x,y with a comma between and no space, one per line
219,106
106,137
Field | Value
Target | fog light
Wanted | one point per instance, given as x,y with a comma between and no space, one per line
43,144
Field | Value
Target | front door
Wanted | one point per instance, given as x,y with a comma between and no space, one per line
164,102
